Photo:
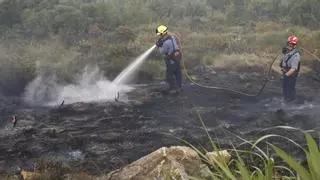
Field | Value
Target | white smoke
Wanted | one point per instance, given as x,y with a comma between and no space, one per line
91,86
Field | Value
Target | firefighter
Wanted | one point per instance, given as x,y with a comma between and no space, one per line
169,46
290,67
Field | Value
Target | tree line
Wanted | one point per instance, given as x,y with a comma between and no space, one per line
41,17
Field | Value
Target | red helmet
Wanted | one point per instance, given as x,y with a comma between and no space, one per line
292,39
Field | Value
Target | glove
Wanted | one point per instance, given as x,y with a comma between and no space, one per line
159,43
284,50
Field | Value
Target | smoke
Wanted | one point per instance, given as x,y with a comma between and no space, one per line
90,86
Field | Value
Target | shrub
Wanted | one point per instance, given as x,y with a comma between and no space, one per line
263,166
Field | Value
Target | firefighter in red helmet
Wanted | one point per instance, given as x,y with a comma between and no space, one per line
290,67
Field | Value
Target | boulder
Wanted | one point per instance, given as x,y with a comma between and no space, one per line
214,156
29,175
177,161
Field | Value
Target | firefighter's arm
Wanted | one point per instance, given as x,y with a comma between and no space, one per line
290,72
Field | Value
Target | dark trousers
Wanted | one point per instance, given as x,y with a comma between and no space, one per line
173,73
289,88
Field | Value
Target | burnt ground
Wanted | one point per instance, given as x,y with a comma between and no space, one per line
100,137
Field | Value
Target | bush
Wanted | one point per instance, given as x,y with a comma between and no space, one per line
264,165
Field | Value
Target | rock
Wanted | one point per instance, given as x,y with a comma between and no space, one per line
243,76
77,142
16,170
177,161
204,69
214,156
255,74
136,103
29,175
52,133
248,86
28,131
281,116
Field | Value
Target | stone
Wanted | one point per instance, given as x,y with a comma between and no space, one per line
29,175
204,69
214,156
52,133
248,86
176,161
243,76
213,72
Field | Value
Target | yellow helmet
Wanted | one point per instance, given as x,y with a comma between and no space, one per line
161,30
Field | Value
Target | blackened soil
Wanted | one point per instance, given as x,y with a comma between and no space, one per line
100,137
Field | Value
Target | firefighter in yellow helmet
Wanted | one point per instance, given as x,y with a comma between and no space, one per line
169,46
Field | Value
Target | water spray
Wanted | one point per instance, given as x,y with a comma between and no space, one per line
91,86
124,76
127,73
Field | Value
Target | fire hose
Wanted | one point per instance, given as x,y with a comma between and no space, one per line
236,91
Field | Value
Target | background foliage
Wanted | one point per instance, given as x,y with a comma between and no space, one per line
112,32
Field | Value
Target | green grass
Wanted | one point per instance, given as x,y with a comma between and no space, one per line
269,169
